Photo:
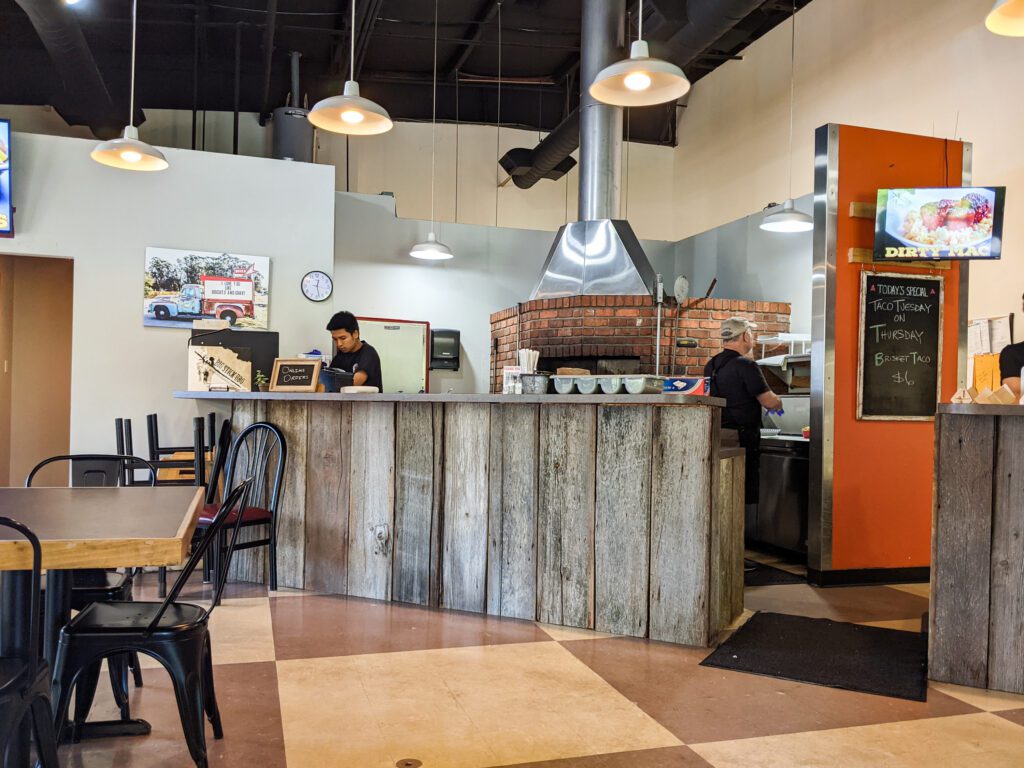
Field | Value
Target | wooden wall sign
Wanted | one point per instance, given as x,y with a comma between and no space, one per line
899,368
295,375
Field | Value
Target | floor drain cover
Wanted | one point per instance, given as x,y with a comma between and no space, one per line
408,763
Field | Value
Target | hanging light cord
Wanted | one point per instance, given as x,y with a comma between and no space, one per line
352,45
792,79
497,133
131,98
640,20
433,124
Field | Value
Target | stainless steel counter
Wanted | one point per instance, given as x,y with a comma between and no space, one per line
458,398
974,409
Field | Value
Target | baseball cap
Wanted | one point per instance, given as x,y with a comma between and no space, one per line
735,327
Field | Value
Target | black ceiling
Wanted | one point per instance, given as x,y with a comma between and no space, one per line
187,56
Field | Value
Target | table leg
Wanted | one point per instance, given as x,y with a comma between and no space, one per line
15,587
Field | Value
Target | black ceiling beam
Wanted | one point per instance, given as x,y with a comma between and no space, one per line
487,12
367,23
268,59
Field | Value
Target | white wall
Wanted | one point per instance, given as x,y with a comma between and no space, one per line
918,66
71,207
493,269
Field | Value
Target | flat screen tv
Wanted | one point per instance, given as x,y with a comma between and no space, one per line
6,206
943,223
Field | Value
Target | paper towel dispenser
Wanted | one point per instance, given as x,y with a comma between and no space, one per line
444,349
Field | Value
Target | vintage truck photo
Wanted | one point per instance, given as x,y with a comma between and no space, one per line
224,298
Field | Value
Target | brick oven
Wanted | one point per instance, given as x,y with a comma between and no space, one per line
616,334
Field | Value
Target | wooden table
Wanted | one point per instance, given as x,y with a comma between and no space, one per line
88,528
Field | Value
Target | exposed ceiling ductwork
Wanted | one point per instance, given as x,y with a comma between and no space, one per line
84,99
707,21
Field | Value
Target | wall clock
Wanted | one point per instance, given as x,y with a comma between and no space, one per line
317,285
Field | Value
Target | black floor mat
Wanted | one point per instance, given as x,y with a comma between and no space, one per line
887,662
760,575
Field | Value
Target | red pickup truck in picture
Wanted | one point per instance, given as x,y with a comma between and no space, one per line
225,298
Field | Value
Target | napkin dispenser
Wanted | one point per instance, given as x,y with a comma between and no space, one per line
444,349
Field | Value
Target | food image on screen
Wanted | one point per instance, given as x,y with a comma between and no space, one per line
6,209
952,223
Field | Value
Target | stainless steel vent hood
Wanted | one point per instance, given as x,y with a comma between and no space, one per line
597,254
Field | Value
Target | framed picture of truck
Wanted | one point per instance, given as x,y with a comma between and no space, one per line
180,286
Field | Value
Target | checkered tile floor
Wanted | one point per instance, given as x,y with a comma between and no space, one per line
308,681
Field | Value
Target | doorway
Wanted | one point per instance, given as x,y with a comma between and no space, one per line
36,297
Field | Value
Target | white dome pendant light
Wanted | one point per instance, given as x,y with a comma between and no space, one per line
639,81
350,113
128,153
1006,18
432,249
788,218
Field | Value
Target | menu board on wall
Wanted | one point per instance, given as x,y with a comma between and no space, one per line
899,369
6,204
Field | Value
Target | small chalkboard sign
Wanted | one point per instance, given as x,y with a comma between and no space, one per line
295,375
900,366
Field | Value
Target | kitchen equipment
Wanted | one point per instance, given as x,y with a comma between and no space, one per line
564,385
535,383
769,432
781,517
612,385
644,385
587,385
792,370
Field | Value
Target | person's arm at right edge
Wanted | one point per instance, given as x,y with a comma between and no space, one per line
770,401
1011,360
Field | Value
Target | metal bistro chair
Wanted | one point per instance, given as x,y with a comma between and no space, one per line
259,452
92,585
25,680
213,489
175,634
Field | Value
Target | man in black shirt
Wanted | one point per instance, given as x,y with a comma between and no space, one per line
738,379
1011,360
354,355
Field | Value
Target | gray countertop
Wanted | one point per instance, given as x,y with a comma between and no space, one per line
974,409
459,398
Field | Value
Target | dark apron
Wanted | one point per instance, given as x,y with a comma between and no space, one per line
750,440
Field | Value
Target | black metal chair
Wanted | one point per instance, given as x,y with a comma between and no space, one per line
25,678
259,452
175,634
220,456
93,585
192,468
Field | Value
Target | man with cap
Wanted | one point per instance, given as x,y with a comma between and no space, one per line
737,378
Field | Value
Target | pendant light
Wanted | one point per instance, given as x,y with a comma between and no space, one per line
432,249
128,153
1006,18
788,219
639,81
350,113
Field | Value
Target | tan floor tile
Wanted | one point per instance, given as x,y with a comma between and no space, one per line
457,707
241,631
570,633
921,590
289,592
990,701
964,741
856,604
904,625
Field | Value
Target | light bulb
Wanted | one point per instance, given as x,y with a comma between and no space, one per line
352,116
637,81
131,156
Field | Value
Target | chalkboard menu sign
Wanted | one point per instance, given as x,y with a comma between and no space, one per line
900,346
295,375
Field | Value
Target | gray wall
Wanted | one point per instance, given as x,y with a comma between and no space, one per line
752,264
494,268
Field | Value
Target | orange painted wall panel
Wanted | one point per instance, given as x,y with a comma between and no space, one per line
882,470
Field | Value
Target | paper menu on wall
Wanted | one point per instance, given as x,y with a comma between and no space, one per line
989,335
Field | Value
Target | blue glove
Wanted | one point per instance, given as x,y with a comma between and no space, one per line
779,412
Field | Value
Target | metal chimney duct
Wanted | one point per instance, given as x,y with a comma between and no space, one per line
598,255
600,124
292,137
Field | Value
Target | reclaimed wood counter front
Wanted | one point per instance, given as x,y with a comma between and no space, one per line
977,613
612,513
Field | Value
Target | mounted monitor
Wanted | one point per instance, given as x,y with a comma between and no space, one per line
939,223
6,204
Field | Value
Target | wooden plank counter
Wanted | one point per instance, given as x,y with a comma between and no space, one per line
977,612
613,513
